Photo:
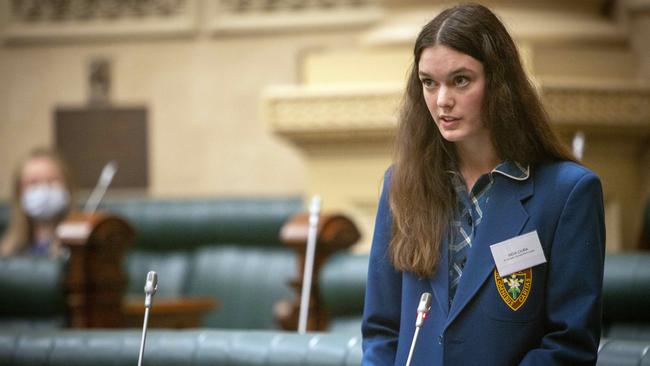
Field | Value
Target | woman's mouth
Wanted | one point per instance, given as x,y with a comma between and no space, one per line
448,121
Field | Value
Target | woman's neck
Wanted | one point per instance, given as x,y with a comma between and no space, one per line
474,161
44,231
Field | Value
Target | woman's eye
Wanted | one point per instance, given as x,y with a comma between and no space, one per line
428,83
461,81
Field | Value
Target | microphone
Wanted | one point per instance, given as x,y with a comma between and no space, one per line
578,145
105,179
305,294
150,288
423,311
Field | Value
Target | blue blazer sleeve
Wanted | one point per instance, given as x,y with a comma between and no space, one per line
575,278
381,314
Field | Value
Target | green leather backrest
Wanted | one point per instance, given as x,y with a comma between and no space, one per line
645,227
342,286
247,282
343,283
31,288
4,216
179,348
172,224
626,292
172,267
626,288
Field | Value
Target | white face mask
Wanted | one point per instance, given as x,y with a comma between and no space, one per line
44,201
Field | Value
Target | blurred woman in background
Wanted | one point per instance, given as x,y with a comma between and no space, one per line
41,199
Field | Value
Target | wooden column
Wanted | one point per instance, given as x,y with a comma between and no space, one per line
95,281
335,232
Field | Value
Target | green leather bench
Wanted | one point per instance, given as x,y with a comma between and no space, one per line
178,348
626,293
221,347
226,249
182,251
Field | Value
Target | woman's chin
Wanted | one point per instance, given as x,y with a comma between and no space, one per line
452,136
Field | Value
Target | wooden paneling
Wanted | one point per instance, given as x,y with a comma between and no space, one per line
88,138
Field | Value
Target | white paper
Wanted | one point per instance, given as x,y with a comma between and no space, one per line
518,253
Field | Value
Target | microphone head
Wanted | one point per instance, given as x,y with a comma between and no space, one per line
314,209
108,172
151,285
425,303
578,145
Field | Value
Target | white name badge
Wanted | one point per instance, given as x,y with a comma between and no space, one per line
518,253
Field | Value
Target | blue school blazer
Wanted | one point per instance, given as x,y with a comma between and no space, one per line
557,323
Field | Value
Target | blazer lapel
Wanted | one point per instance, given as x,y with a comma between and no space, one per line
504,218
440,281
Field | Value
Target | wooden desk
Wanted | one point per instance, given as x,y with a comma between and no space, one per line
167,313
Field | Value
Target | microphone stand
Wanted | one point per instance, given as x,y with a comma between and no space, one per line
105,179
314,212
150,288
423,310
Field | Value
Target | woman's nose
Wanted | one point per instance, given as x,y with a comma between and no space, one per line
445,98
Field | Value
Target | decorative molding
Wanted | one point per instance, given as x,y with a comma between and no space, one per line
255,16
619,107
52,20
339,113
526,24
53,11
56,20
308,114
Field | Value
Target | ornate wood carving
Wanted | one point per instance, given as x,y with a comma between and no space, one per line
335,232
95,281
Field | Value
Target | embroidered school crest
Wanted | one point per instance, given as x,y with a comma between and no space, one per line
514,288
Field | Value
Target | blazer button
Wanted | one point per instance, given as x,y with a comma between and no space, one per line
439,339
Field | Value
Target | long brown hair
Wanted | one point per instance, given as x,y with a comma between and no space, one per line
421,196
20,230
